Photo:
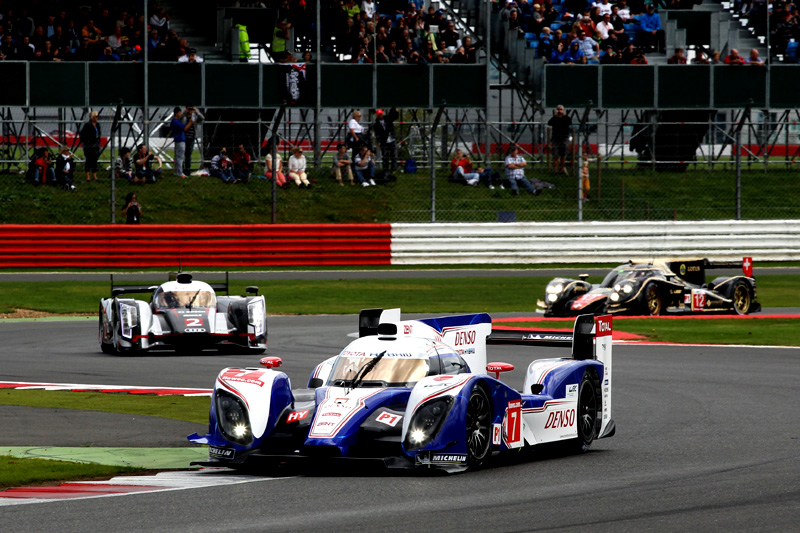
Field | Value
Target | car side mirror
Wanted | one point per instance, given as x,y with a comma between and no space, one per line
252,289
117,292
499,367
583,277
271,362
314,383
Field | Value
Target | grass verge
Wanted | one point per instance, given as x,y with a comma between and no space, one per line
16,472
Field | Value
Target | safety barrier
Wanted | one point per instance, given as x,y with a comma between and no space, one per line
124,246
593,242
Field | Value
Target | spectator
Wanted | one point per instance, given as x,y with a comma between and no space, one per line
178,129
365,167
638,57
605,27
603,7
355,132
190,57
714,58
90,138
108,55
280,179
125,52
8,49
574,55
754,59
515,172
279,37
619,27
461,170
387,138
651,36
560,130
123,167
191,118
623,11
368,8
65,169
115,39
588,46
678,58
297,167
341,161
610,56
470,49
143,165
222,167
132,210
242,165
449,37
25,50
734,58
700,58
159,21
42,171
558,55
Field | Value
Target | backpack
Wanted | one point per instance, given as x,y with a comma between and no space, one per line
411,166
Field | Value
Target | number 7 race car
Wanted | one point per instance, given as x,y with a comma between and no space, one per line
182,314
416,393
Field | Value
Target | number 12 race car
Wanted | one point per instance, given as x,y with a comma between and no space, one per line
416,393
183,314
655,287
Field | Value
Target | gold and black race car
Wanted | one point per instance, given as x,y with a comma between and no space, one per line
655,287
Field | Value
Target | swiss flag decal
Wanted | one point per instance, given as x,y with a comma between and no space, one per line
747,266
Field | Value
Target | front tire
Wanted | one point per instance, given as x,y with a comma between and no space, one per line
589,410
479,428
652,299
742,299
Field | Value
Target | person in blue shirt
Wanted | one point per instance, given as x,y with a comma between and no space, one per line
178,129
558,55
575,55
651,36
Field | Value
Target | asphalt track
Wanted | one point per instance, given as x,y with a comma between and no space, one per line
707,439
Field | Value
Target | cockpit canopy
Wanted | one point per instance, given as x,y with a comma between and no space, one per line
630,273
195,294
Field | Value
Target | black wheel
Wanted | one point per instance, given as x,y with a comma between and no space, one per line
590,410
741,298
104,346
652,297
479,428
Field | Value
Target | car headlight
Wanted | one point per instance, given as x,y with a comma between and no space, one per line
617,287
555,289
614,296
627,289
232,418
256,316
426,423
552,297
128,318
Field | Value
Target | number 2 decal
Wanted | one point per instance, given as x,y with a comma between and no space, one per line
192,322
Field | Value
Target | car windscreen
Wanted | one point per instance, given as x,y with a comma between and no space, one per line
389,371
621,274
199,298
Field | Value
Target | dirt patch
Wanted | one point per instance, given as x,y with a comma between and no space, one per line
30,313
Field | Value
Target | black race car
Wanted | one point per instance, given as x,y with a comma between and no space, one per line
655,287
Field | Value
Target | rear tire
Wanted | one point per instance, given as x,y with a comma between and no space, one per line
652,299
479,428
589,410
742,299
106,348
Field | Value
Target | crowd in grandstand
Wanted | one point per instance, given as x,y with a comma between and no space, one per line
54,31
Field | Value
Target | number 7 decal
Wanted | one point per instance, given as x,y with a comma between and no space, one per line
514,424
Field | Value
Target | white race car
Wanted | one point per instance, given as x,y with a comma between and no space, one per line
183,314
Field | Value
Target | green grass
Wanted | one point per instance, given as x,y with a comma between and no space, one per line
616,194
188,409
16,472
343,296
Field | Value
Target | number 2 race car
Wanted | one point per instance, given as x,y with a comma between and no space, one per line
183,314
655,287
416,393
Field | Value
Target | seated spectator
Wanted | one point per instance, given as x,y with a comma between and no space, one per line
143,165
603,7
754,59
609,56
365,167
342,162
65,169
190,57
558,55
574,55
623,11
449,37
714,58
269,172
588,46
515,172
638,57
159,21
678,58
545,47
242,165
619,27
297,167
734,58
222,167
108,55
123,167
605,27
26,51
461,170
115,40
41,170
651,36
125,52
700,58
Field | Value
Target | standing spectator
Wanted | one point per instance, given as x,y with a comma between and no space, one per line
387,138
678,58
280,34
734,58
160,21
65,168
178,129
242,165
192,118
651,36
222,167
132,210
90,138
368,8
364,164
560,129
280,179
515,172
355,132
297,167
341,161
143,165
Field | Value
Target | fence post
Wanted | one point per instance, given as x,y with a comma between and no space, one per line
432,156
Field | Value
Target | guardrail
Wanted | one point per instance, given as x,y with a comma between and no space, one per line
123,246
593,242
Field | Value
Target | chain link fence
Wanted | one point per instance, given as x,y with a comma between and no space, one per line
628,165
